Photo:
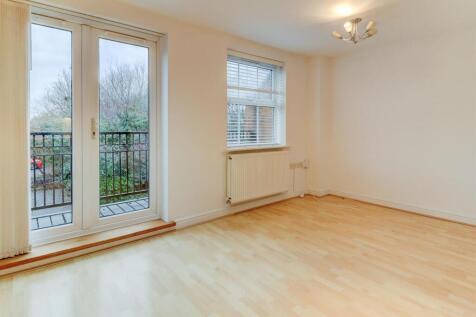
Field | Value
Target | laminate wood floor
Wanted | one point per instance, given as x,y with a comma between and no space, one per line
302,257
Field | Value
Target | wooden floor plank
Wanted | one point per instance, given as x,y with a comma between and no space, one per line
302,257
89,241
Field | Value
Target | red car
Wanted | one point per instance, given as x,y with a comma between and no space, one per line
36,164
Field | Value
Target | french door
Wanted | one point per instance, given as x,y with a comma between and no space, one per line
92,128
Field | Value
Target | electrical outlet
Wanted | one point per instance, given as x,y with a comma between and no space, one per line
303,164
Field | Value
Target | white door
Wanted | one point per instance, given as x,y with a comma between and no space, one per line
55,129
93,132
119,128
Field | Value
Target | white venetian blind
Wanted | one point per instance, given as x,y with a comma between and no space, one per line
255,102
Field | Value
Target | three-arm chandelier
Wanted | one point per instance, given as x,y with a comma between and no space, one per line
353,35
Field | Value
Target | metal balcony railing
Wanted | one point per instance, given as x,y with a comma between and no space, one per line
123,159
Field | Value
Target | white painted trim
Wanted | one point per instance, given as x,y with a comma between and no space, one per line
202,217
163,129
229,210
256,58
83,18
411,208
318,192
255,148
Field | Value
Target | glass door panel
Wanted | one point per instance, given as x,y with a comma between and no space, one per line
123,128
51,137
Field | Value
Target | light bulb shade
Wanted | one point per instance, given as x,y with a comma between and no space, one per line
371,32
348,26
337,35
371,25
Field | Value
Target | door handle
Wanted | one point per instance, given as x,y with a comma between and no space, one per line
93,128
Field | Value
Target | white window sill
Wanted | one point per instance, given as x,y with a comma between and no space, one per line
256,148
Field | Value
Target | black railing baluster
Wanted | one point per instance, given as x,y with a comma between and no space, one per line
113,173
147,167
104,180
127,172
44,180
54,180
133,171
62,173
107,175
120,171
140,169
34,181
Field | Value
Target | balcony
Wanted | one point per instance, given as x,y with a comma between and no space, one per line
123,176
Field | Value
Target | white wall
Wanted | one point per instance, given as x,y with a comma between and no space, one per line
401,124
195,133
319,90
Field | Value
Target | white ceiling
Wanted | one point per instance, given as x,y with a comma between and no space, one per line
304,26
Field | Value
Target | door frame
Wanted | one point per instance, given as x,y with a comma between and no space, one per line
81,28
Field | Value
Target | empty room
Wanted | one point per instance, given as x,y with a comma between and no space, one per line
238,158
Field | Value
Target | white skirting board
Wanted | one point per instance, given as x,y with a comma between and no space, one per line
405,207
218,213
319,192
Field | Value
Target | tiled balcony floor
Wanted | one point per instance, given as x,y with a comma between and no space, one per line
58,216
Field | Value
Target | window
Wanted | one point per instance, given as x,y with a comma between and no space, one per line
256,98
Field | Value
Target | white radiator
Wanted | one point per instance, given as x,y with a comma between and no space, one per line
256,175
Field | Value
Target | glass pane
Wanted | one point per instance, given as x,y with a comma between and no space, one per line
124,128
251,125
50,127
248,76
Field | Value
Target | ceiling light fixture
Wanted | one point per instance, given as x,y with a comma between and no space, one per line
353,35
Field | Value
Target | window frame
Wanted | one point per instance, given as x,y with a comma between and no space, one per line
279,126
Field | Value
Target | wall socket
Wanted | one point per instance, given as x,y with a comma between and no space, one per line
303,164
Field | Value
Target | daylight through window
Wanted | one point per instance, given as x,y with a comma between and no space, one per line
256,101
